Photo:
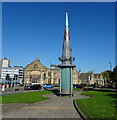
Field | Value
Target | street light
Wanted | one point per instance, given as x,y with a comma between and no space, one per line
15,79
110,66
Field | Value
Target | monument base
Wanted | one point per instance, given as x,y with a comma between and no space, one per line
65,94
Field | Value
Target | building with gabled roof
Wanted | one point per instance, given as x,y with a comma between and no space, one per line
37,73
90,78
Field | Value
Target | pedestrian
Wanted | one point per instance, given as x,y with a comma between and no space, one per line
25,87
3,87
83,87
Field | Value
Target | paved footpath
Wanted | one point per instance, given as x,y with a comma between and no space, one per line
56,107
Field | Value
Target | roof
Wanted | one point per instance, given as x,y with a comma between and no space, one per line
84,76
53,66
35,62
97,75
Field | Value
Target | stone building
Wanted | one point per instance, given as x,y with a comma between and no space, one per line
91,78
99,80
37,73
76,80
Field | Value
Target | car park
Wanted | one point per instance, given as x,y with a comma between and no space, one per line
99,86
33,87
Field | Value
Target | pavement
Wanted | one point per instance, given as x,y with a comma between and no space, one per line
55,107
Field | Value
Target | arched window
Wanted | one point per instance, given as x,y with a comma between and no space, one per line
44,76
30,78
35,66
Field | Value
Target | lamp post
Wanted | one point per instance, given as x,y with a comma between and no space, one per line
14,82
15,79
110,66
105,80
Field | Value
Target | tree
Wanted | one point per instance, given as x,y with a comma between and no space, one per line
115,76
115,69
108,76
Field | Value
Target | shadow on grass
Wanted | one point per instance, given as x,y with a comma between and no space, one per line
54,91
115,103
88,89
57,92
114,95
103,90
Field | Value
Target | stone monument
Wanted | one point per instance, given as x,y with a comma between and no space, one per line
66,66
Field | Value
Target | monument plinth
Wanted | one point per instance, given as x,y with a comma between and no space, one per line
66,66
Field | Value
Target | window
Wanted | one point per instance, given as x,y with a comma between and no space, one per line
30,77
55,74
49,73
54,81
44,76
35,66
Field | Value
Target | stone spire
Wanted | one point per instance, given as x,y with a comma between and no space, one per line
66,51
66,18
66,66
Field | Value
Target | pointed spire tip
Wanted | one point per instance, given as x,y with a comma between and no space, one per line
66,18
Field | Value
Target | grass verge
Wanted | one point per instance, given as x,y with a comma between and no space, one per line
100,105
28,97
77,89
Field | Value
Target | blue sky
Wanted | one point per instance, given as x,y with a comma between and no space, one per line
36,29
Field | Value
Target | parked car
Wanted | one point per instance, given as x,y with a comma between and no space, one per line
48,86
99,86
108,86
33,87
2,85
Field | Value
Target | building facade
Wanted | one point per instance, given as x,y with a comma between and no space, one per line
13,73
4,63
91,78
36,73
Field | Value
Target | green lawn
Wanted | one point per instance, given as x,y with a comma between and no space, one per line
28,97
100,105
77,89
